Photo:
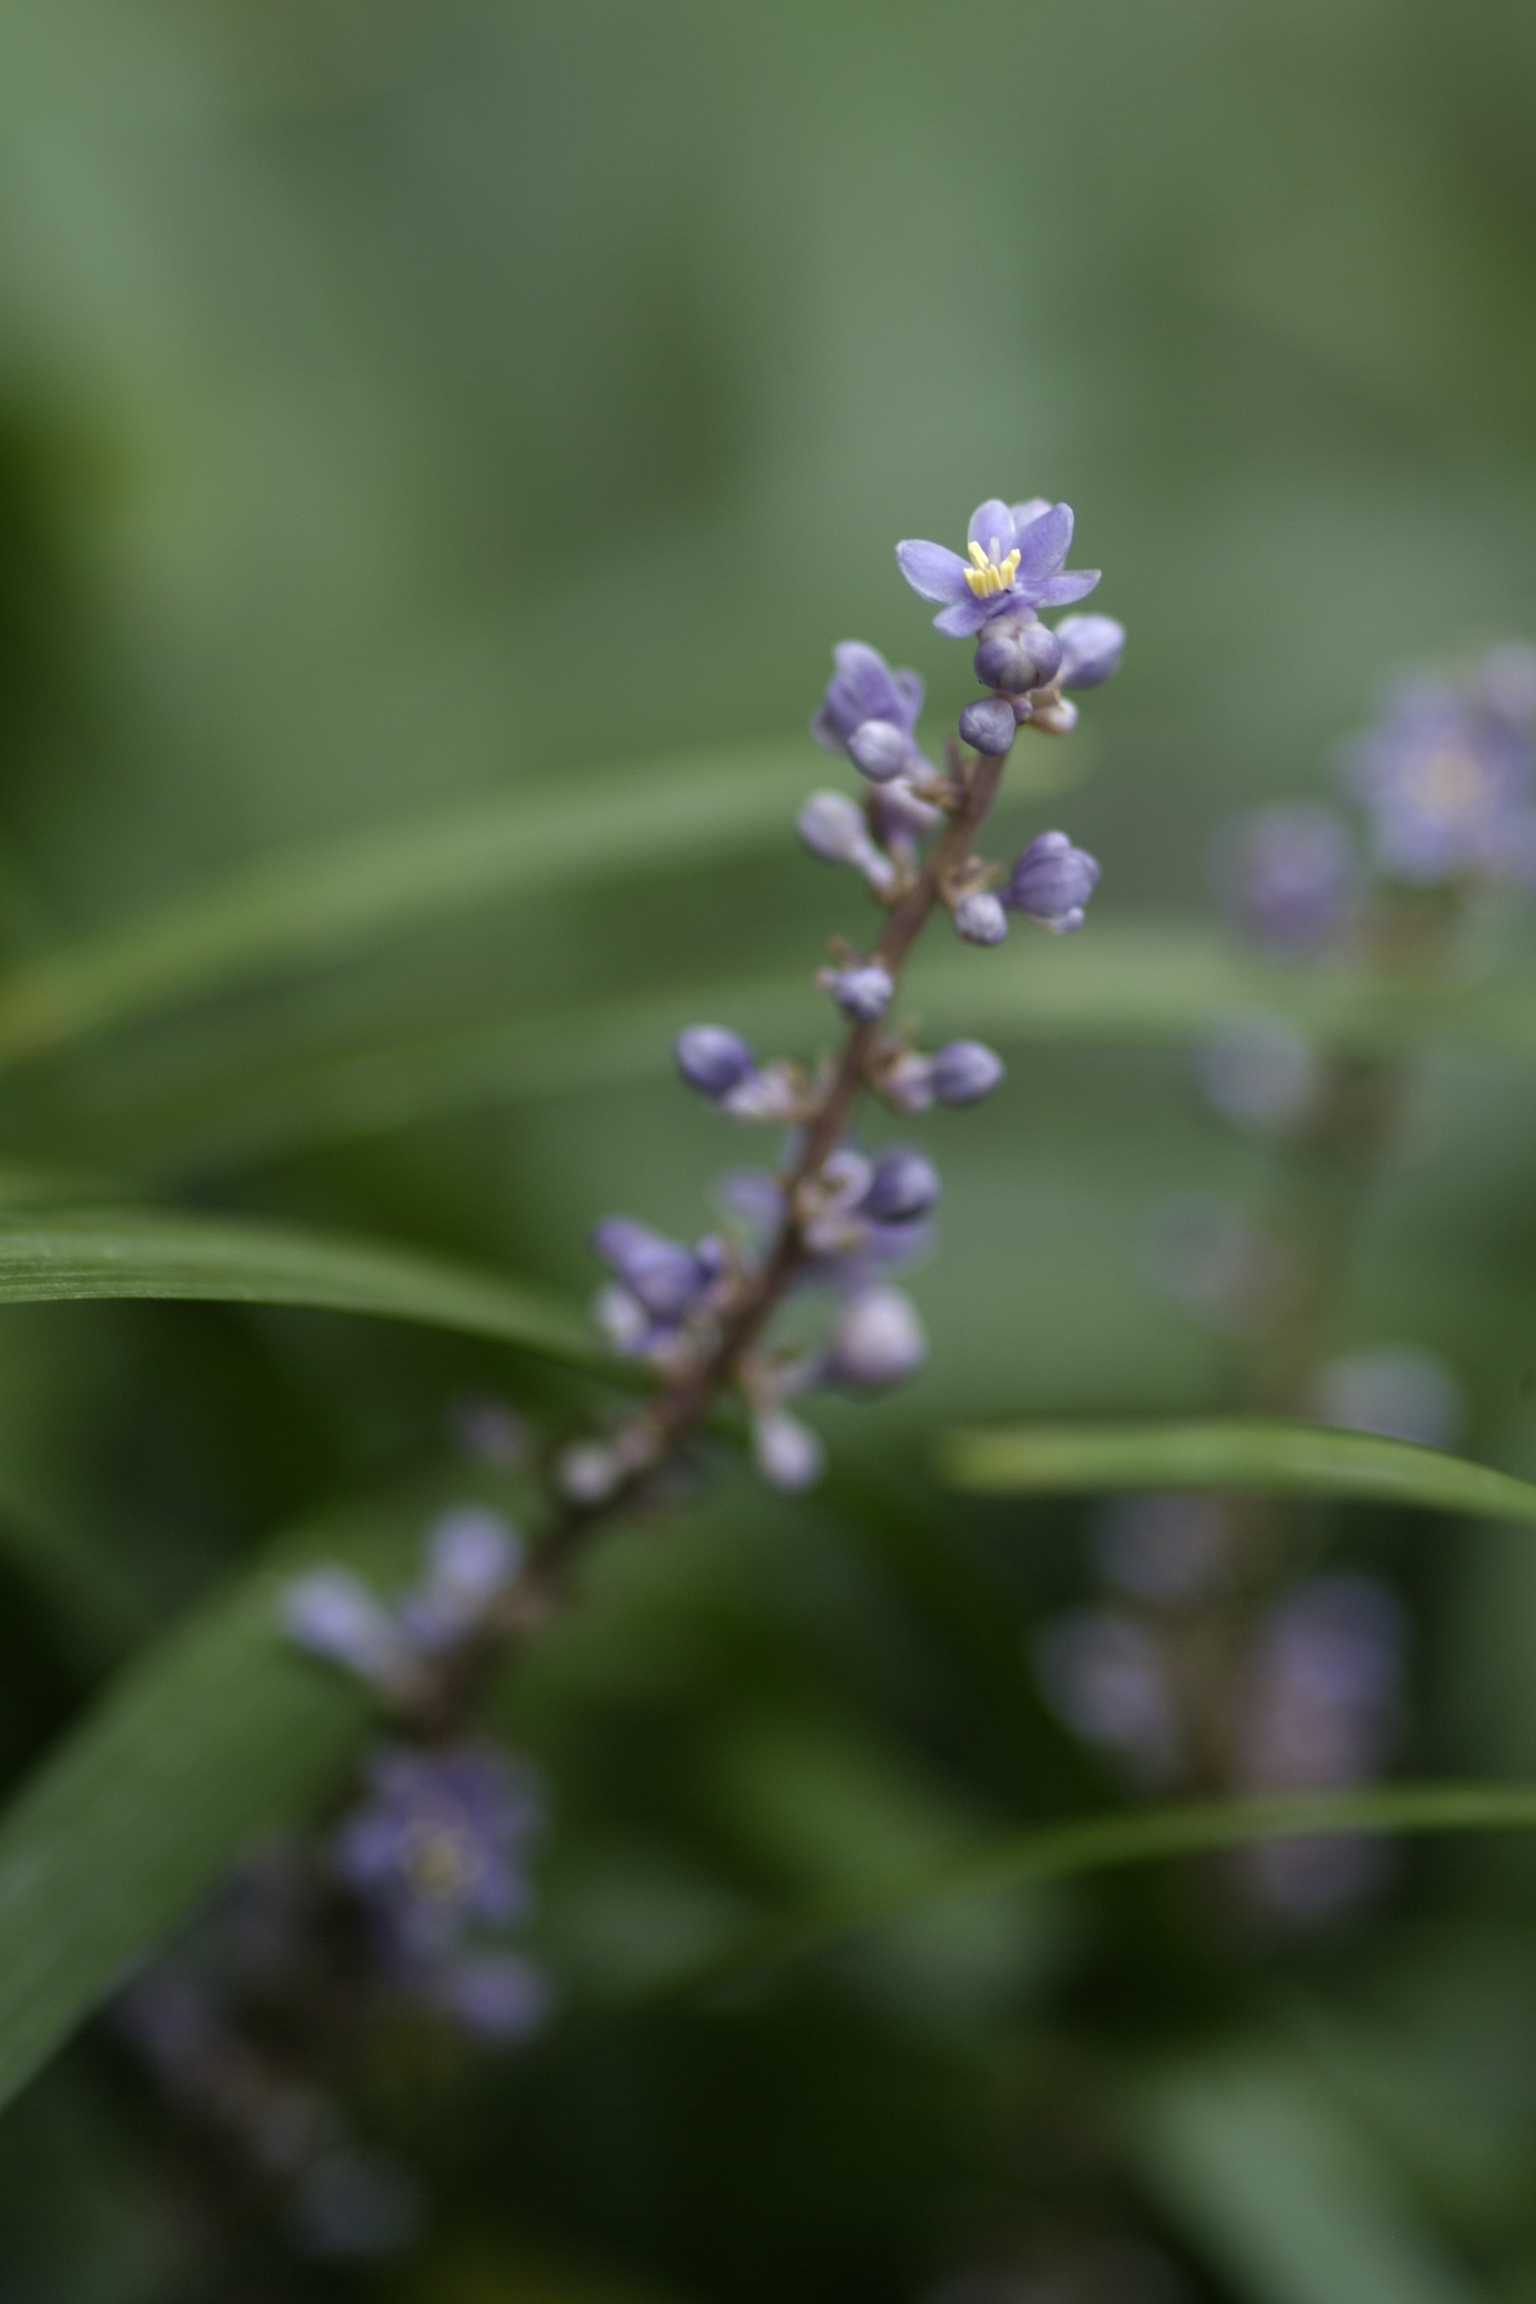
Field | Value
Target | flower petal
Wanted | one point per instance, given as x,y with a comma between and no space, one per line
933,571
824,729
1043,544
966,617
1023,514
912,691
1058,591
992,528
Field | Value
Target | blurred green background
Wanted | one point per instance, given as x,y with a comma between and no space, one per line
406,405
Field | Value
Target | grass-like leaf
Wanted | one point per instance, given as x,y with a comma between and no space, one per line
1109,1842
1235,1452
654,815
127,1252
218,1734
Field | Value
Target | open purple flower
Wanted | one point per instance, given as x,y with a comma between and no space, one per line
437,1847
1015,560
1446,782
869,712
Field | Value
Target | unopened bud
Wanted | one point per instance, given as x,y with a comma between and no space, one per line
833,828
1091,649
712,1059
333,1614
1058,719
903,1187
1052,881
879,751
907,1081
864,994
1016,655
964,1072
473,1553
878,1340
589,1472
980,918
988,725
787,1453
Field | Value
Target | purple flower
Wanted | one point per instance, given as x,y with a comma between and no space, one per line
1287,875
1017,653
869,712
989,726
787,1453
864,993
712,1059
333,1614
1016,556
878,1340
833,827
1446,782
980,919
436,1848
1051,882
472,1555
903,1187
963,1071
1091,649
1104,1677
664,1277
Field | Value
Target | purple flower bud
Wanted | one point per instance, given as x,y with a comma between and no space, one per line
901,815
904,1186
833,828
988,725
787,1453
1017,654
472,1554
333,1613
496,1996
964,1071
1052,881
1287,874
879,751
907,1081
980,918
864,994
1091,649
712,1059
878,1340
664,1275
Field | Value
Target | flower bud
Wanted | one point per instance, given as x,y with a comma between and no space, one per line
963,1072
900,814
878,1340
907,1081
833,828
980,918
588,1472
903,1187
712,1059
988,725
1091,649
879,751
1058,719
663,1274
1052,881
864,994
1016,655
787,1453
472,1554
333,1614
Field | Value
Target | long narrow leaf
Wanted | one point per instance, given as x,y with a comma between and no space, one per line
651,815
115,1252
1237,1452
218,1734
1110,1842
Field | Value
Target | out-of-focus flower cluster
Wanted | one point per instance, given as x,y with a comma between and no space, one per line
863,1212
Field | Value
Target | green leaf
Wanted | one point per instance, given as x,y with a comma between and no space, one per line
1107,1842
651,816
1235,1452
217,1735
128,1252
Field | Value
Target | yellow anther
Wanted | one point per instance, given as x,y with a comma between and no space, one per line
989,577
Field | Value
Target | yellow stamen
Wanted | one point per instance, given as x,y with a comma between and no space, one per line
989,577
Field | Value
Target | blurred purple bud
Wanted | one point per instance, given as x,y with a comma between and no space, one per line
833,828
1287,875
712,1059
472,1553
864,994
1052,881
904,1186
1103,1676
980,919
665,1276
1165,1549
964,1071
754,1195
988,726
622,1318
588,1472
786,1452
901,815
496,1996
1091,649
1258,1072
1402,1393
333,1613
879,751
1018,653
878,1339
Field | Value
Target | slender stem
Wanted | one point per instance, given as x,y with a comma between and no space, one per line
680,1410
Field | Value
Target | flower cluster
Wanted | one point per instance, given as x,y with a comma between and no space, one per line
432,1855
1446,782
835,1213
